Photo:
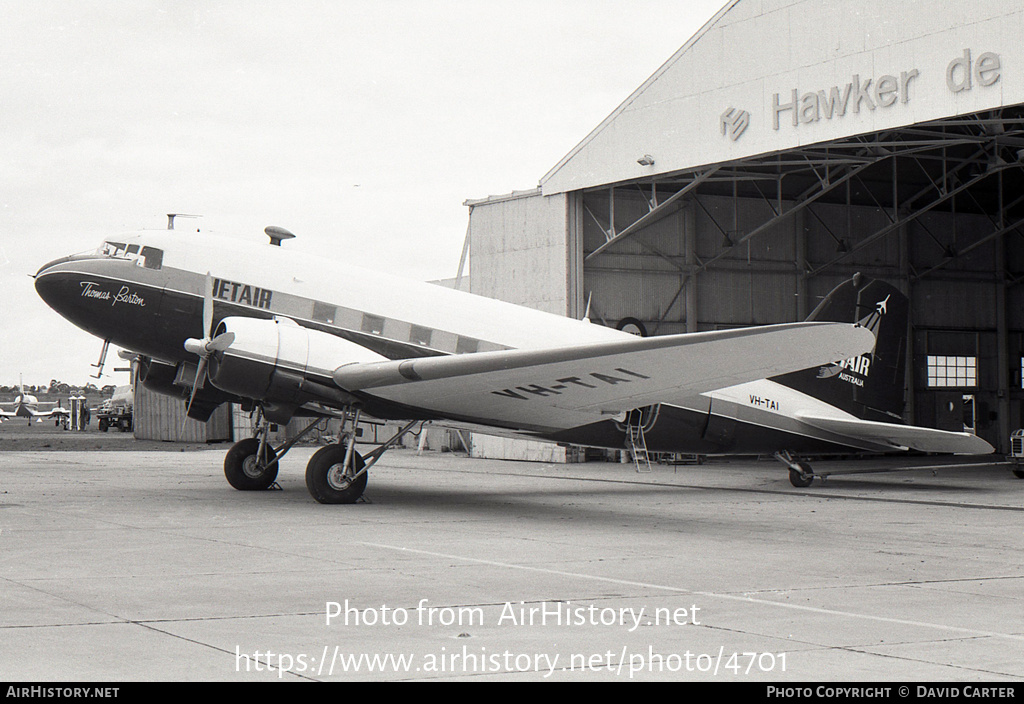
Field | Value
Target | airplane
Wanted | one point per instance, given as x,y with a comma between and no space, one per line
286,334
27,406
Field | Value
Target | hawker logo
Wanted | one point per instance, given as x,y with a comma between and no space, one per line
590,381
734,123
245,294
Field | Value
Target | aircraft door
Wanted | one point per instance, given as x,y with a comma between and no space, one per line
970,414
956,412
720,430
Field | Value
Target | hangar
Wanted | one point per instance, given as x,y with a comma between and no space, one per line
786,146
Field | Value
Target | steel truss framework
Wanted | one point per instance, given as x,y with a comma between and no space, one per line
968,164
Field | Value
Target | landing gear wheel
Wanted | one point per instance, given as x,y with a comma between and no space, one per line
247,472
1019,473
803,477
326,479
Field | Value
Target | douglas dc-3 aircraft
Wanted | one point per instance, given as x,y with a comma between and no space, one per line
287,334
27,406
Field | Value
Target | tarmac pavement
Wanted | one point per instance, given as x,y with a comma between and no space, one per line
143,565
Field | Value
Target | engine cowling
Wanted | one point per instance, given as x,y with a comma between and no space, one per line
282,364
175,380
158,376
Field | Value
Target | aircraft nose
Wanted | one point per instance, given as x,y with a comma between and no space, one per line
50,265
51,282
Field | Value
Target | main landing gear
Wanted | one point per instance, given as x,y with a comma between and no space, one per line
335,474
800,473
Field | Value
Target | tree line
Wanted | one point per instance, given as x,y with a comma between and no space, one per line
60,388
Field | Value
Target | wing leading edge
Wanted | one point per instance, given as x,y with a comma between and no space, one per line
604,377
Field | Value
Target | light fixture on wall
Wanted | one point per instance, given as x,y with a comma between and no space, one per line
646,160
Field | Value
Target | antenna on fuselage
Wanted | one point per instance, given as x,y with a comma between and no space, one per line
171,216
277,234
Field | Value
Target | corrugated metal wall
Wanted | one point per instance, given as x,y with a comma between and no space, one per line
160,417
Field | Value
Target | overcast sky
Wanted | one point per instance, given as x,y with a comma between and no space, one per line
360,125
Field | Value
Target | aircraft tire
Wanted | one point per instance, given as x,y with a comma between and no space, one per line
803,478
242,470
324,478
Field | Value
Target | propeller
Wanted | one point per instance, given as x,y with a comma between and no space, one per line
207,346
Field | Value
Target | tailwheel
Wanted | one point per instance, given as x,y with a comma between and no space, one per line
246,470
802,477
335,476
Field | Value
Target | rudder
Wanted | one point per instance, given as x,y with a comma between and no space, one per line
871,386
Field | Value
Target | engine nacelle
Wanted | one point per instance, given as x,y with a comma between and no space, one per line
176,380
158,376
282,364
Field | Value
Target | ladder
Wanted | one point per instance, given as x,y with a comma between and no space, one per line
637,445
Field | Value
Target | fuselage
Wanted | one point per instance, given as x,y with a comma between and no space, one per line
25,406
144,292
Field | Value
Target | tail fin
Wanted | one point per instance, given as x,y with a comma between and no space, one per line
871,386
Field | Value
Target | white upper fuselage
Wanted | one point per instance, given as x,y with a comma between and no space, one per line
400,303
395,317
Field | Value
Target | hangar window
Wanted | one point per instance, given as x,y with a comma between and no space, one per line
952,372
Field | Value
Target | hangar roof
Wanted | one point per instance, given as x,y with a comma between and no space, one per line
815,86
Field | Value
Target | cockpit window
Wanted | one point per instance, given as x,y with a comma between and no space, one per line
113,249
148,257
151,258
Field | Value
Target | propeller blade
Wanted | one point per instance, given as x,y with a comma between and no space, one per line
205,347
200,371
220,343
208,307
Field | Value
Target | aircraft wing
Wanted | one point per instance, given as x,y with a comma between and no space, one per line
902,437
602,377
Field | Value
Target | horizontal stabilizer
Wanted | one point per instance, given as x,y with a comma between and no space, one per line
902,437
603,377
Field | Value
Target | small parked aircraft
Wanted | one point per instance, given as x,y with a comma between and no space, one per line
27,406
288,334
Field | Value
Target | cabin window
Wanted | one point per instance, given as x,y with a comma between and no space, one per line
420,335
466,345
324,312
373,324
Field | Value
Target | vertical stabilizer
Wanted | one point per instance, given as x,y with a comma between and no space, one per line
871,386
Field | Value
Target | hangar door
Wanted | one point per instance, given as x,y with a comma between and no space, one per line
936,209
